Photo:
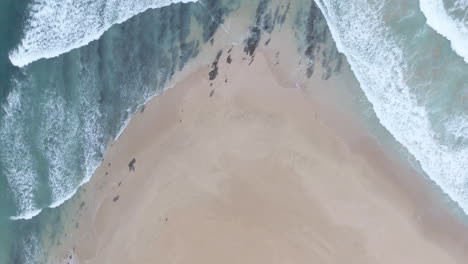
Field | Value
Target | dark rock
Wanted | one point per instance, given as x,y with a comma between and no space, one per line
214,66
251,43
131,165
213,73
218,55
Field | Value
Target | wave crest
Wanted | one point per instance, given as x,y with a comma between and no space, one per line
453,28
55,27
378,60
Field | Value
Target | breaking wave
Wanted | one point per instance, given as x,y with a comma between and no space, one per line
378,60
55,27
452,23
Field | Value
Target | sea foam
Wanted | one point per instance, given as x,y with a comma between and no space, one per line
16,154
453,28
379,63
55,27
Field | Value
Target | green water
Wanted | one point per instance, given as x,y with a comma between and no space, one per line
58,114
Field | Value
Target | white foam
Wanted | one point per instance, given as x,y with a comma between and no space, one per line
55,27
130,112
61,184
31,249
59,132
452,28
63,181
18,165
124,124
378,61
59,137
90,139
458,127
27,215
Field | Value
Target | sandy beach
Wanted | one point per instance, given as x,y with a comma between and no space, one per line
233,132
245,169
241,170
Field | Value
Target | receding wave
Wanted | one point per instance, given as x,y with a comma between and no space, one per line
55,27
378,60
452,23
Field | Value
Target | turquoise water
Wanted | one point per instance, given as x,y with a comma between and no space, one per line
415,78
71,76
58,114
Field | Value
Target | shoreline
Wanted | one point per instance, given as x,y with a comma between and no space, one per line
113,187
234,131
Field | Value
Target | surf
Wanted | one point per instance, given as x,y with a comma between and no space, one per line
452,28
16,157
378,60
55,27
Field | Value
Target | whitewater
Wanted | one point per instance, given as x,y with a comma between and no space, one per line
55,27
378,59
448,23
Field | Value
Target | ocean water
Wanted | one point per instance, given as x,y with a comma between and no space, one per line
56,27
71,76
414,74
449,19
73,72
